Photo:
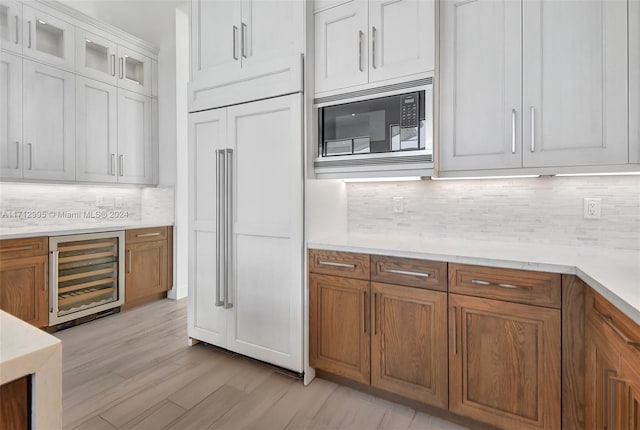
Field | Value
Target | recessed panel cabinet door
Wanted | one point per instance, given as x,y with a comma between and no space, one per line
341,46
10,116
96,131
135,156
409,343
402,38
146,269
266,280
480,84
24,289
49,122
575,83
207,133
504,366
11,26
339,336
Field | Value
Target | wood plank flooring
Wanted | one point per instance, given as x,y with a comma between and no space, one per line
134,371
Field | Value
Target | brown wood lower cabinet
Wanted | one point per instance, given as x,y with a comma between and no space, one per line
24,279
14,404
339,340
504,363
409,343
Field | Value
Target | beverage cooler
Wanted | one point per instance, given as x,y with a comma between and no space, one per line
86,275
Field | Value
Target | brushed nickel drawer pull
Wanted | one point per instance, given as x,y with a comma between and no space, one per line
406,272
608,320
366,314
18,248
332,264
129,252
157,233
16,29
455,330
478,282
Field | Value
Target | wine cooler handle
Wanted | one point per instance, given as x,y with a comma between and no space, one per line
53,281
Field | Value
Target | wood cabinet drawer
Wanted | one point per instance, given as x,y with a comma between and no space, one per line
146,234
28,247
511,285
345,264
411,272
612,321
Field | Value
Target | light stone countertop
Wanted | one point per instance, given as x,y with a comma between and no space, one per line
60,230
614,273
26,350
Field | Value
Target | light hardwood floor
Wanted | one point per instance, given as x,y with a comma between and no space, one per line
134,370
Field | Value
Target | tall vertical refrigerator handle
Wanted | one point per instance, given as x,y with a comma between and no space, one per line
219,223
228,169
53,281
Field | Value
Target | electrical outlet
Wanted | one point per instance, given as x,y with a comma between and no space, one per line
592,208
398,205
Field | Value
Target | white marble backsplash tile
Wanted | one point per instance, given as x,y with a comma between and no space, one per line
29,206
543,210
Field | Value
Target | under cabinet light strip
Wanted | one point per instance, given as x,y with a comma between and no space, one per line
484,177
390,179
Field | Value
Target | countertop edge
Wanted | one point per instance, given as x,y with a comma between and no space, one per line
4,235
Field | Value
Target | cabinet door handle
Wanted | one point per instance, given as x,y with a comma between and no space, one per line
513,131
366,313
16,29
17,248
129,260
455,330
406,272
30,155
29,24
533,128
53,276
112,168
17,155
332,264
360,37
157,233
121,165
608,320
121,68
228,184
235,37
113,64
219,223
501,285
243,40
374,33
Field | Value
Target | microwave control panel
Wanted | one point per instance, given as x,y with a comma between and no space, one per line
409,110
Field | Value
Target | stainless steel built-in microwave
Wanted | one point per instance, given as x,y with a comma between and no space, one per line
386,134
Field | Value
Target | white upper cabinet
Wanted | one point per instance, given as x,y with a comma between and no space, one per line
134,71
96,131
11,26
96,57
48,39
341,46
243,50
575,83
634,81
365,43
402,38
536,84
10,116
135,152
49,122
480,84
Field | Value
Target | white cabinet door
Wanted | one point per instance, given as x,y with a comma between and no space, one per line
10,116
11,26
96,131
270,29
267,277
341,44
634,81
207,133
96,57
49,122
215,39
402,35
575,83
48,39
134,71
135,154
480,84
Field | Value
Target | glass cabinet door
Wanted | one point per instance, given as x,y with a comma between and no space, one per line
96,57
47,38
134,71
10,26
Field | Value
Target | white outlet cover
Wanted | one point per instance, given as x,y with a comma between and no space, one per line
592,208
398,205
